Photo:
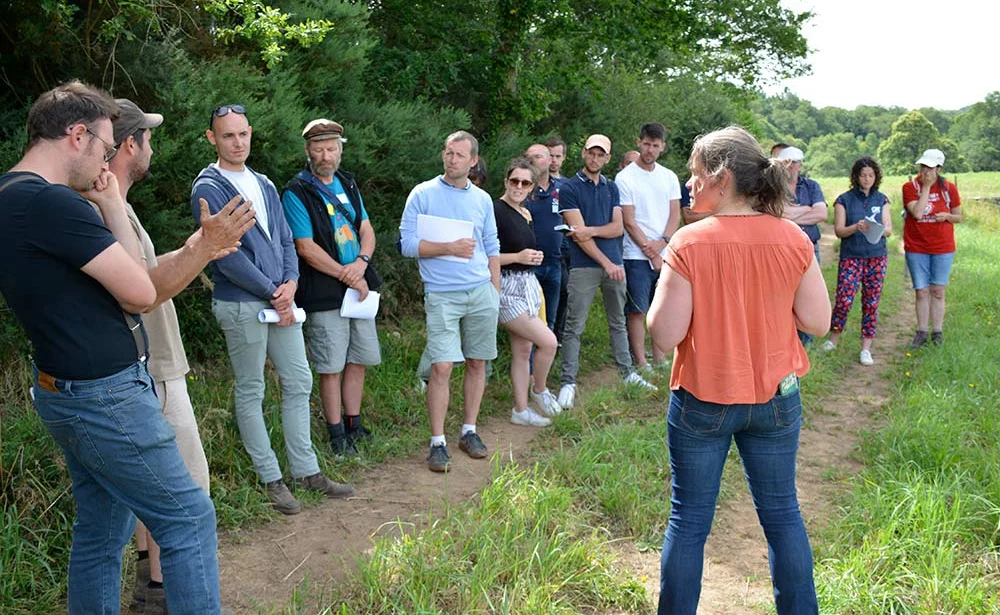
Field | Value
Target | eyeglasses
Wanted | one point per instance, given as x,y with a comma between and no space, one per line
223,110
108,153
522,183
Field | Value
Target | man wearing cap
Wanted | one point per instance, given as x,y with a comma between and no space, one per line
335,241
76,284
932,208
590,204
461,288
170,273
809,207
261,275
650,197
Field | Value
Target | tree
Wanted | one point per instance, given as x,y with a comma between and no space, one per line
833,155
911,134
977,132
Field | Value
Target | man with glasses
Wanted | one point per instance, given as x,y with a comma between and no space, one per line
76,284
590,205
462,289
170,273
261,275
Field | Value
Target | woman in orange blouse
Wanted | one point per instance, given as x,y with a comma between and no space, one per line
737,287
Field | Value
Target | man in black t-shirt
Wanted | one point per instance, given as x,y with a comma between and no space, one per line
76,284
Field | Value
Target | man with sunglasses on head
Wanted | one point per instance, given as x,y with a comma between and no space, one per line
335,242
172,272
77,285
261,275
590,204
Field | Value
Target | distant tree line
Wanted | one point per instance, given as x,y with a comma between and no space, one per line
833,138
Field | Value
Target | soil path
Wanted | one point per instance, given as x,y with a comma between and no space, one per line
261,567
736,576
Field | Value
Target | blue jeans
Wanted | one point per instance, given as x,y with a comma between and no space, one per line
122,458
549,276
767,436
806,338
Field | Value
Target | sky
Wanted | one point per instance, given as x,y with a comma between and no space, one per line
896,53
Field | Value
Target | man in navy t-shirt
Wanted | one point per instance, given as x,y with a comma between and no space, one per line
76,284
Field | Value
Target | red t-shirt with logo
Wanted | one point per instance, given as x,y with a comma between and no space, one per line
926,235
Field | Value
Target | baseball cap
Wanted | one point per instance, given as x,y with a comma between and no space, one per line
132,119
598,141
932,158
791,153
321,129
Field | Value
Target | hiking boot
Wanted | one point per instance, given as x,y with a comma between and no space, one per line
472,445
937,337
438,460
528,418
318,482
634,379
282,499
156,601
919,339
866,358
546,402
139,589
359,435
567,394
342,447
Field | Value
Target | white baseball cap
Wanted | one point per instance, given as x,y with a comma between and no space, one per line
932,158
791,153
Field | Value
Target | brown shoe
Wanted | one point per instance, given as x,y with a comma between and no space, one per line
156,602
318,482
138,603
282,499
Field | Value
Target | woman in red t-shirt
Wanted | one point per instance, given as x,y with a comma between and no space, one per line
736,287
931,209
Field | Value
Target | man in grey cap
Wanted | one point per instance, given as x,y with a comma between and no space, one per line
170,273
335,241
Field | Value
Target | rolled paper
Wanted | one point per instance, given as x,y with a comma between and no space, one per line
269,316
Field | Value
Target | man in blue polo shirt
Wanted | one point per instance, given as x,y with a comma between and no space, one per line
461,290
590,204
544,206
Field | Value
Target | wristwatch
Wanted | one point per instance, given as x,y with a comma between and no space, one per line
365,257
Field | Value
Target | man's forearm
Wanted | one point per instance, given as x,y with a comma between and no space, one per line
611,230
590,249
175,270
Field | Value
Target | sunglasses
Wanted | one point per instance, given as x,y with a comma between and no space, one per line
519,183
108,153
224,110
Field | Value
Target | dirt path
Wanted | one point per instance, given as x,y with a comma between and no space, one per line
736,577
261,567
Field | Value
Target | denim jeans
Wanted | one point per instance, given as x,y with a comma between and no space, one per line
250,344
767,436
549,276
122,458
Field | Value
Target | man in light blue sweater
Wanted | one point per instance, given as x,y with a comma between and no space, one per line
461,294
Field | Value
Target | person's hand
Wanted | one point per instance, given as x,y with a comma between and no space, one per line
942,216
362,287
350,274
284,297
286,317
615,272
656,262
463,248
104,193
531,257
582,234
927,177
220,234
652,249
862,225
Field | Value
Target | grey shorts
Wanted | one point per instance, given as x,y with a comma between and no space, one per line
519,293
462,324
334,341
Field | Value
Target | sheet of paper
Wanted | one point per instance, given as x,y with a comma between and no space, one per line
354,307
444,230
874,232
270,316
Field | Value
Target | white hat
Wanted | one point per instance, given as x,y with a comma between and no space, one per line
791,153
932,158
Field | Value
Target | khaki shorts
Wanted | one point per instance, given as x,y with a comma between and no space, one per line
334,341
462,324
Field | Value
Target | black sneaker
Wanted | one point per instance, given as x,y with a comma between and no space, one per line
359,435
473,445
937,338
919,339
439,459
342,447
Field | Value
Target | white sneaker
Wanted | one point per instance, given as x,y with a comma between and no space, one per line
635,379
646,368
566,395
547,403
829,345
528,418
866,358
